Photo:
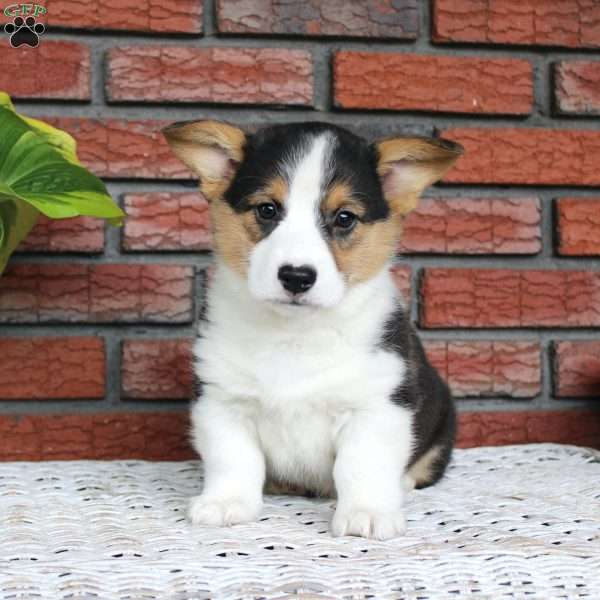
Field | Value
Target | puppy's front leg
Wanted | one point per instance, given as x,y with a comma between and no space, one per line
372,454
234,465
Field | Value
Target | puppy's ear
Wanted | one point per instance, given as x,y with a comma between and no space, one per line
211,149
407,165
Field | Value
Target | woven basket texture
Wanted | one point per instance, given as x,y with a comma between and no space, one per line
515,522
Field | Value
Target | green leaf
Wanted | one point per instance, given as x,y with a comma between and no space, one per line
5,101
16,220
58,139
40,173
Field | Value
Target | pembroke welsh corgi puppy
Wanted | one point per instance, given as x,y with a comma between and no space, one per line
311,374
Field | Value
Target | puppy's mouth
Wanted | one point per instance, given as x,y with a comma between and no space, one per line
292,302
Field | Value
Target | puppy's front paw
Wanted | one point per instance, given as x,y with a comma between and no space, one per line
219,512
368,523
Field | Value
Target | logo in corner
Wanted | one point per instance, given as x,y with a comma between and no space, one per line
24,30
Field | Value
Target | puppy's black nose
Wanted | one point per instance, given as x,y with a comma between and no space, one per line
297,279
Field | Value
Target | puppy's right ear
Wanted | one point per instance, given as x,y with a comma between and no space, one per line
211,149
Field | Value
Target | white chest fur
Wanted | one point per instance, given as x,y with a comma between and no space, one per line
297,377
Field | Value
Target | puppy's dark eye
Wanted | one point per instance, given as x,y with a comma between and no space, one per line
345,219
267,211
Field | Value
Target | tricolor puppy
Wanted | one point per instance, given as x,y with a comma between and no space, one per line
312,376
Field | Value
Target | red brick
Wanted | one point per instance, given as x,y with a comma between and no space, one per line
115,148
51,368
151,16
488,368
167,221
577,369
579,226
157,369
39,293
152,436
165,435
79,234
401,275
375,80
53,70
569,23
510,298
473,226
526,156
221,75
529,427
354,18
577,87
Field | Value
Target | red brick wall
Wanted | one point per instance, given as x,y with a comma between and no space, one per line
500,262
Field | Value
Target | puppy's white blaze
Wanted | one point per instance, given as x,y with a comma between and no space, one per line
298,239
307,180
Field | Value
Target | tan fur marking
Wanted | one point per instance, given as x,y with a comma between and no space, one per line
277,189
274,189
421,471
213,189
234,235
418,149
367,249
338,197
368,246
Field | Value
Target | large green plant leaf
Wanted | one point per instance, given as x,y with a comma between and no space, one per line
40,173
16,220
58,139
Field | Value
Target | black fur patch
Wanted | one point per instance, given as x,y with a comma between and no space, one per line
354,162
424,393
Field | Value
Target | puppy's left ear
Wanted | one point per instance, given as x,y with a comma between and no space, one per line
407,165
213,150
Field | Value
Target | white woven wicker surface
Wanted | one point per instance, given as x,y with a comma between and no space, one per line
514,522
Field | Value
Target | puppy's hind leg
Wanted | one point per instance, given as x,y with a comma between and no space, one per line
429,468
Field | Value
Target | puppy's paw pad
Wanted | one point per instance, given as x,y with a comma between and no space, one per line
220,512
368,523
